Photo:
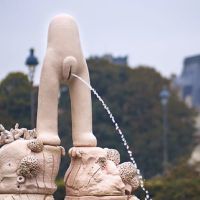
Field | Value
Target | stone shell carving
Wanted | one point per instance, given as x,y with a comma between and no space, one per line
113,155
127,171
29,167
35,145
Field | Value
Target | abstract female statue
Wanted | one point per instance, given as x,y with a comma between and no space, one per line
30,159
63,57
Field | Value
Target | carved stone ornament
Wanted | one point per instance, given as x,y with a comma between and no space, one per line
93,174
23,171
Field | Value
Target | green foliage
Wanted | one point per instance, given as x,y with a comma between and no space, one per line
60,192
181,183
15,100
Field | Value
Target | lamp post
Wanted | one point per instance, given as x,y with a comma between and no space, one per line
31,62
164,97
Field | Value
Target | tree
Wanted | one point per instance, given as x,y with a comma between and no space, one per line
15,100
181,183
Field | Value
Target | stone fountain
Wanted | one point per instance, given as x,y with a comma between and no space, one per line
30,159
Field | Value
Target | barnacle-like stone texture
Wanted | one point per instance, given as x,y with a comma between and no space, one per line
113,155
35,145
127,171
129,176
135,183
29,167
23,171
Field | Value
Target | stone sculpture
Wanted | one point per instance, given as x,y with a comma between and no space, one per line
28,168
30,159
95,174
63,57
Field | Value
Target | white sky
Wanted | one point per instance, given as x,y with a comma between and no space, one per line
157,33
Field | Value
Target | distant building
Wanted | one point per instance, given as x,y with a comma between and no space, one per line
189,81
120,60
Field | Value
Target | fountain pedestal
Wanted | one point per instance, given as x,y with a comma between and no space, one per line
95,173
28,170
25,197
102,198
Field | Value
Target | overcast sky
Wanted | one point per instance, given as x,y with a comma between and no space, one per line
157,33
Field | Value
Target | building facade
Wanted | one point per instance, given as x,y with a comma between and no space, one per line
189,81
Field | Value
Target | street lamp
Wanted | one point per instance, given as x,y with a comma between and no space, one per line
164,97
31,63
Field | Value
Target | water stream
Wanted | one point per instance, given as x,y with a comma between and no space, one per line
147,197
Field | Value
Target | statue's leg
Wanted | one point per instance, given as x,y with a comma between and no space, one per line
81,108
47,115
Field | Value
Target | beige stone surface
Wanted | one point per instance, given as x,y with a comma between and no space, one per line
102,198
95,173
14,181
133,198
25,197
97,198
63,57
90,173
